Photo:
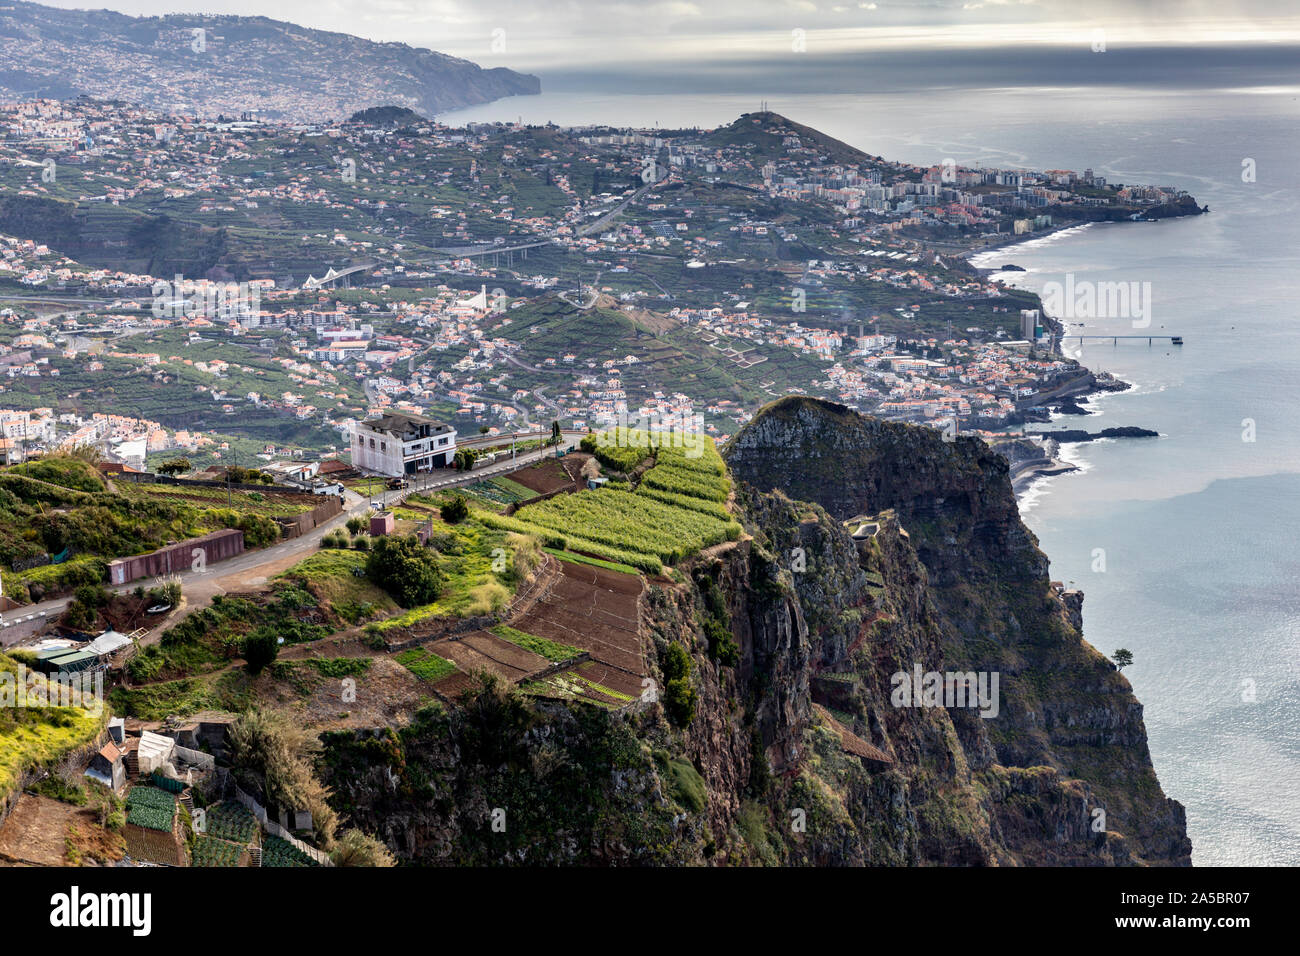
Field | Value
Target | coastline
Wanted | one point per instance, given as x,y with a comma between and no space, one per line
1015,241
1064,399
1024,474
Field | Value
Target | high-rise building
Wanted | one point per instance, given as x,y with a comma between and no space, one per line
1029,324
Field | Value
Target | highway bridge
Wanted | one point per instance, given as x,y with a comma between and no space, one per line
332,275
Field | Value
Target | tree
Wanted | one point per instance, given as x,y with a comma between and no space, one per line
555,433
1122,658
176,466
454,511
484,429
355,525
405,569
679,701
260,649
679,695
92,595
275,756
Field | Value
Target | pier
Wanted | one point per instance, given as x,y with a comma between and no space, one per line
1173,339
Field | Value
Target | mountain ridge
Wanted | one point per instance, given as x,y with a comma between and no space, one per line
215,64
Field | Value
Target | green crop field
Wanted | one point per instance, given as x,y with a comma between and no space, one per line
278,852
151,808
425,664
209,851
230,821
676,511
552,650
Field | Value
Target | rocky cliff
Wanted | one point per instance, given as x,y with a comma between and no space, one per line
775,732
1068,739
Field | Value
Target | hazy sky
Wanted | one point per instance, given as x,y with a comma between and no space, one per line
538,34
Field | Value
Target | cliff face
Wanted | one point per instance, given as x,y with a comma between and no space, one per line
795,749
1068,737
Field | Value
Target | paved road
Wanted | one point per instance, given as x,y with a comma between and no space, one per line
253,568
198,586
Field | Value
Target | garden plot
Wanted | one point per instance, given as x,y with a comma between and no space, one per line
550,474
480,650
594,610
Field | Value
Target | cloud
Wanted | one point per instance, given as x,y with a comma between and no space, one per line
543,34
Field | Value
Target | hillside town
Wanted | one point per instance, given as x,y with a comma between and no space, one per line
428,305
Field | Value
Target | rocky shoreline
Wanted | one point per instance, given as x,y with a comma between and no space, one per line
1072,435
1029,460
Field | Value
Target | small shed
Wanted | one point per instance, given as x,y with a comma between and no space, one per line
382,523
154,751
107,767
296,819
67,661
108,643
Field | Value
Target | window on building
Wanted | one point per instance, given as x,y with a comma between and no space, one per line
383,446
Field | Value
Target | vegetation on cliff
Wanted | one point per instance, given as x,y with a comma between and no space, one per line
770,734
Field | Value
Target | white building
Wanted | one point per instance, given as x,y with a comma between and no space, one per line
398,444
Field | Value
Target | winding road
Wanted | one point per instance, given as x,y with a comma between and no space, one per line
253,569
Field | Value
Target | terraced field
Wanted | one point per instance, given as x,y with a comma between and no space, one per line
678,508
594,610
271,503
483,651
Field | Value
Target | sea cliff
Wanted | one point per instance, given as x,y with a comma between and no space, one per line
776,735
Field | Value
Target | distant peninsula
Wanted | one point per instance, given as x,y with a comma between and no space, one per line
206,65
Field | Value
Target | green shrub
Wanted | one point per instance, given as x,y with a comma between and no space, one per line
339,666
92,595
679,694
406,569
680,700
261,648
455,511
675,663
686,784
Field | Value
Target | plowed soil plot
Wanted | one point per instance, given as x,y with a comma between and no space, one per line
453,685
480,650
616,680
153,846
36,832
550,473
594,610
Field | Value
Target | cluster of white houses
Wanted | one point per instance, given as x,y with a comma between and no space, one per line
398,444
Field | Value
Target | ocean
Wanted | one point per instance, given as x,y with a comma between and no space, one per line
1187,545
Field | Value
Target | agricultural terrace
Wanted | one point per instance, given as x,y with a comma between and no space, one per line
61,506
678,507
39,735
274,502
151,808
470,557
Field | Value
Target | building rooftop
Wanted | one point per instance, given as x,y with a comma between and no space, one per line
397,423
